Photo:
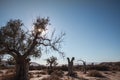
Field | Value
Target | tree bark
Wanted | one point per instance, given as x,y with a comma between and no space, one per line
22,68
70,66
50,66
84,63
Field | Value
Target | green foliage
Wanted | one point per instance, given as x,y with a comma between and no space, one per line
16,41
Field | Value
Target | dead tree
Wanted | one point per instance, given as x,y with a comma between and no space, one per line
84,66
70,66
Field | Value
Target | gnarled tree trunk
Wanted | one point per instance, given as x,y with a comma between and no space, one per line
85,69
22,68
51,66
70,66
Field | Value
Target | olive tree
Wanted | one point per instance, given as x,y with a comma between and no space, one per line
23,44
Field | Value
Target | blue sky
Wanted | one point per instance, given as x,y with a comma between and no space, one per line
92,26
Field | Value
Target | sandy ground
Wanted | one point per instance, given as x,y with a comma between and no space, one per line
109,75
36,75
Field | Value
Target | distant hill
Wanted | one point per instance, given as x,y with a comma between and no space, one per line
5,63
110,63
34,64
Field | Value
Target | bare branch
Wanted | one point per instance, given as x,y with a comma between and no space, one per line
31,46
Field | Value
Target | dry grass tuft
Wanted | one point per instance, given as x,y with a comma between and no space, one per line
58,73
43,72
10,71
95,73
1,72
8,77
52,77
38,75
31,75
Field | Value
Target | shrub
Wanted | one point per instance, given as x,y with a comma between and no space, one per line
50,71
31,75
82,78
1,72
58,73
41,67
64,68
74,74
40,72
38,75
8,77
95,73
98,67
10,71
52,77
43,72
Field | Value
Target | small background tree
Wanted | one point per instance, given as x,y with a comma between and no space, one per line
52,62
84,66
